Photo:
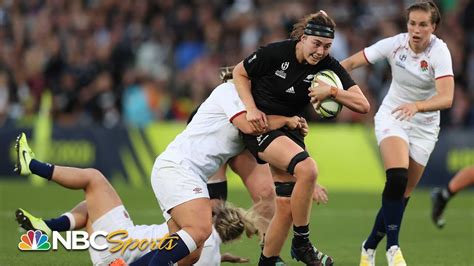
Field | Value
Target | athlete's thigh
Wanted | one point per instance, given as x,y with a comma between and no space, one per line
193,213
256,177
100,195
415,172
280,152
394,152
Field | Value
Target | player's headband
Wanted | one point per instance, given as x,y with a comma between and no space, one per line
318,30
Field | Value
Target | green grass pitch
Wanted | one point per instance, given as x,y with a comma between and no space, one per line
337,228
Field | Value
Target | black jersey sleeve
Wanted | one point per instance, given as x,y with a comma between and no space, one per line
259,62
343,75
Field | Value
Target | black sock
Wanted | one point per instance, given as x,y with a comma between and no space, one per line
59,224
378,231
392,213
393,203
301,235
267,261
44,170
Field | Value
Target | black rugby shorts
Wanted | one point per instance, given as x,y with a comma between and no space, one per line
256,144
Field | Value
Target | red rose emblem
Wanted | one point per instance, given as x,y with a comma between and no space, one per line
424,65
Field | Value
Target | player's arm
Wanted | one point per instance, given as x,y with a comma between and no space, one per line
274,122
351,97
443,98
355,61
257,118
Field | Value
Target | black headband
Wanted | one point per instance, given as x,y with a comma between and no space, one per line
318,30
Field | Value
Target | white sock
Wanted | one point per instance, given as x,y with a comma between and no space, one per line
188,240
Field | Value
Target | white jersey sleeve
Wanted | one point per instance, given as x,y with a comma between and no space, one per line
381,49
441,62
229,100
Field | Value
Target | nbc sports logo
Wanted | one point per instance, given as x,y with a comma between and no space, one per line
34,241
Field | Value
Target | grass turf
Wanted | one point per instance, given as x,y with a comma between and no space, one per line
337,228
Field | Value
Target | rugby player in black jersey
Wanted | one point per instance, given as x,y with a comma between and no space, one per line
276,80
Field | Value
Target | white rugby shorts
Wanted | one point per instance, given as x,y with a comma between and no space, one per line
115,219
420,136
119,219
175,184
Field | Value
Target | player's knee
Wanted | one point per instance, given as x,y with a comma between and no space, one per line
297,159
200,232
396,184
94,176
306,170
266,194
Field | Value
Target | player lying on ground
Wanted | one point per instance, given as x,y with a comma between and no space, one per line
102,210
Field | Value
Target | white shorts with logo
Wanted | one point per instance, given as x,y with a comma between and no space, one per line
118,219
420,136
175,184
115,219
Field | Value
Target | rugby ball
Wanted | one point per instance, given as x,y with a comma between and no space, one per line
328,108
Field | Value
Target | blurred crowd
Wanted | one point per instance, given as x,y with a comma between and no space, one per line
107,62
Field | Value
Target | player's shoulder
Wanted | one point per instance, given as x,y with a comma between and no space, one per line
225,86
437,45
400,39
226,89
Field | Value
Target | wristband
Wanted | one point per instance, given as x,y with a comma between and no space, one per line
334,92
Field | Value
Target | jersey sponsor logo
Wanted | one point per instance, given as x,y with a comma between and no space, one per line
423,65
197,190
402,57
252,58
281,73
309,78
400,64
290,90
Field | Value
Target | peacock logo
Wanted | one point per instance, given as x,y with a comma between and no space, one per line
34,241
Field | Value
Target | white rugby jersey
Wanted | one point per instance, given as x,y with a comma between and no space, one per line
413,75
210,139
211,252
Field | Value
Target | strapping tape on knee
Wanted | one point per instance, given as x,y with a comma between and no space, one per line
298,158
284,189
396,183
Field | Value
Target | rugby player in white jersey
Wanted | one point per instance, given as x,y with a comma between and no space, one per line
407,123
180,173
103,210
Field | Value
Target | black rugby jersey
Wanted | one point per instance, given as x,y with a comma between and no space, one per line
280,83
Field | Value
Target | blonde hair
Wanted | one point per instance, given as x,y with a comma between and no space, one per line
226,73
319,18
231,222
